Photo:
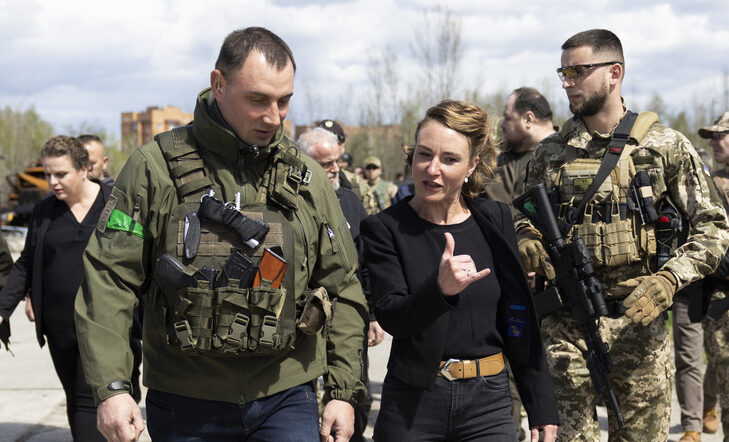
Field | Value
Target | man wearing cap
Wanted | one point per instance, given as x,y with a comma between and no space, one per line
716,323
384,190
346,176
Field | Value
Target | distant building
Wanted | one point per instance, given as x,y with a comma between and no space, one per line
138,128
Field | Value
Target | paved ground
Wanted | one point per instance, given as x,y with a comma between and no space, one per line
32,405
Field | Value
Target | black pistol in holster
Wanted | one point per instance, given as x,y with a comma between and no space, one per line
171,276
577,287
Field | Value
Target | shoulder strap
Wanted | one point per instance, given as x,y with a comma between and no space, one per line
642,124
620,138
183,160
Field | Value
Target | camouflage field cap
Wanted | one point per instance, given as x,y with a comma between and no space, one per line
720,125
372,161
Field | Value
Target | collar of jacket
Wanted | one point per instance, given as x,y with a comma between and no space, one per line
219,139
575,133
343,181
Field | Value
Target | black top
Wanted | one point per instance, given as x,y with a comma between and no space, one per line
66,240
472,332
409,305
28,270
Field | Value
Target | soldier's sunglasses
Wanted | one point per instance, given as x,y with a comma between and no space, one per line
573,73
719,135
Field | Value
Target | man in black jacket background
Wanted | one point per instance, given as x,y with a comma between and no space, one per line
322,145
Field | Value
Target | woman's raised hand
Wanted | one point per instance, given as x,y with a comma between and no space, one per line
456,272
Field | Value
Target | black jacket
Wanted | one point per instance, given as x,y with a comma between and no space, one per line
27,273
354,213
396,274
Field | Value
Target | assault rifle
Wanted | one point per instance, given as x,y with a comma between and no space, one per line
575,287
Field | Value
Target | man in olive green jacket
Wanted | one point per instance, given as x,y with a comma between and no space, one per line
203,379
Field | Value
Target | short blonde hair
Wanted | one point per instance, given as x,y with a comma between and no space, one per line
474,123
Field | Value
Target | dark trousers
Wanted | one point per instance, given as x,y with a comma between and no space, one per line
477,409
80,406
289,416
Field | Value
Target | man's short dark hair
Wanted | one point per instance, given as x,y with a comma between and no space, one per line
529,99
599,40
239,44
88,138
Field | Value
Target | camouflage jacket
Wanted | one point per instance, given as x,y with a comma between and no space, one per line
383,191
363,191
675,171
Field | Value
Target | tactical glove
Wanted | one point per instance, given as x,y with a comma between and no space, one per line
652,295
533,256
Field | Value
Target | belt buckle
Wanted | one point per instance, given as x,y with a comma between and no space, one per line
444,369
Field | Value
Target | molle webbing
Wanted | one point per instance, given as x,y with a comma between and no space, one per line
184,162
614,150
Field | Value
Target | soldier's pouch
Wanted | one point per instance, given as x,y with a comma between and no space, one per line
287,176
592,235
316,311
194,311
270,330
232,319
619,242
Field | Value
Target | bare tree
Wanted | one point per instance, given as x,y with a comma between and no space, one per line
437,45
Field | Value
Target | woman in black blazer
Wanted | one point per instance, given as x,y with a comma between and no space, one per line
447,284
50,269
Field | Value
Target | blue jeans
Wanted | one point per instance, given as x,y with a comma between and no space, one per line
291,415
477,409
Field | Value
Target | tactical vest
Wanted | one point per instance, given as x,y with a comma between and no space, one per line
231,320
612,226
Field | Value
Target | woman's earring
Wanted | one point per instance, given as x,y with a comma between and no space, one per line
466,180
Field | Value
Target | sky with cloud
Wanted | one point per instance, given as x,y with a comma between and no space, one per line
89,61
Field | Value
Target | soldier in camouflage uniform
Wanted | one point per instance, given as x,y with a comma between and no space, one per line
623,250
383,190
716,332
